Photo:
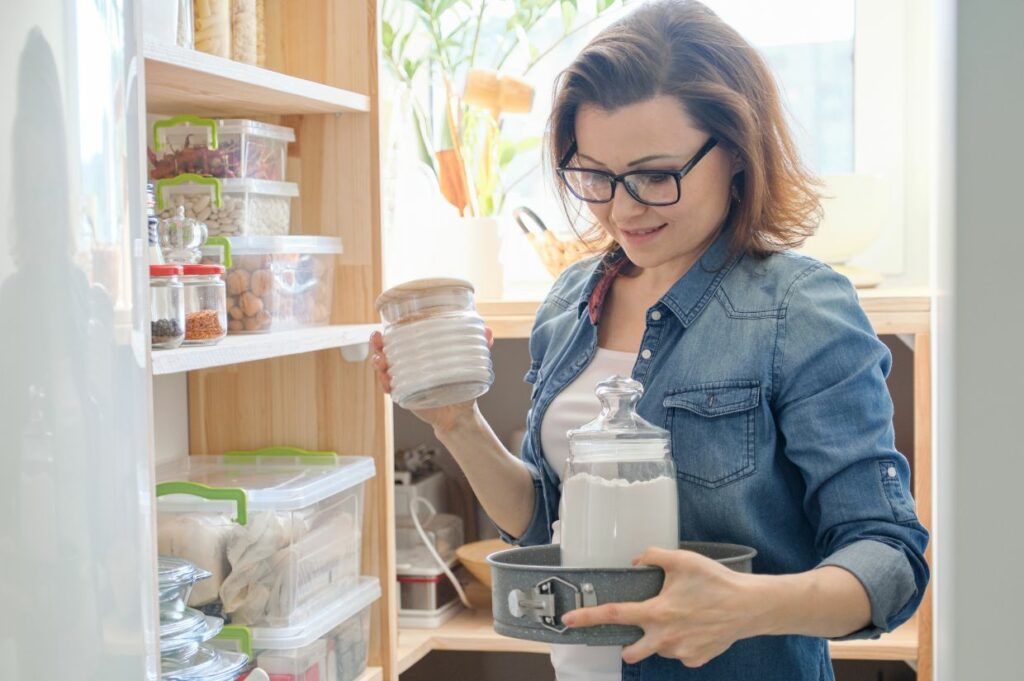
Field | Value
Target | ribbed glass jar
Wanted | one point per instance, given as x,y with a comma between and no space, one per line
435,343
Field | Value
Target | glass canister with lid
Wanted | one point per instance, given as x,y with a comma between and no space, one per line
435,343
206,311
166,306
619,494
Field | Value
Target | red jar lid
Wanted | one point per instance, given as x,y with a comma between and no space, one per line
204,269
165,270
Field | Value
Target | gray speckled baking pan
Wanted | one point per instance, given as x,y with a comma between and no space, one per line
531,591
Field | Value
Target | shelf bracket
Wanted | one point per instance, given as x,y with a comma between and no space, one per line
355,353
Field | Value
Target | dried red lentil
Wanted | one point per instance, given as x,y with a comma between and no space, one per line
203,325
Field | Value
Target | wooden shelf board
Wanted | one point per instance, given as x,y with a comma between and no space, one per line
891,311
473,630
179,80
253,347
371,674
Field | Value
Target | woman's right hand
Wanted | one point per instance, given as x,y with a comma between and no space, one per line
441,418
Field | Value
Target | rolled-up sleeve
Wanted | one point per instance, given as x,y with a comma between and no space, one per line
834,413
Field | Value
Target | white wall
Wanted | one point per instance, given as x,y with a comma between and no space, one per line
980,365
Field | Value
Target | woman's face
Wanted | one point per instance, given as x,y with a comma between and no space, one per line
655,135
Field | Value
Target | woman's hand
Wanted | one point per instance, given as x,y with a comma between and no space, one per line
703,608
441,418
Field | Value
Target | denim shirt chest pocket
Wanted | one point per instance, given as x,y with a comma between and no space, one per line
713,429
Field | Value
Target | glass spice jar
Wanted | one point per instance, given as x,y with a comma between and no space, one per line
206,311
435,343
166,306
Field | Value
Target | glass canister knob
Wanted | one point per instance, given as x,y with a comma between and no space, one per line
181,238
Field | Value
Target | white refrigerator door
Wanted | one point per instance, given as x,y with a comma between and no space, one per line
77,559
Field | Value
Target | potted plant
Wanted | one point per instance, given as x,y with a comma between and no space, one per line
455,58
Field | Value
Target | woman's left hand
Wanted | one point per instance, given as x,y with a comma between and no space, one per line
703,608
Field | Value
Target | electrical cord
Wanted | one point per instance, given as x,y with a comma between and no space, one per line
430,545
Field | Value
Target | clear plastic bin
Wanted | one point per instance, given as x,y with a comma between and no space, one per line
231,148
331,646
278,283
280,529
245,207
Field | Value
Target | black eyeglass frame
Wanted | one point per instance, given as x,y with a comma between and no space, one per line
616,179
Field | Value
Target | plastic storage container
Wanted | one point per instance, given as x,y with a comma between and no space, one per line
244,31
206,312
435,343
166,306
287,524
224,148
213,27
619,495
245,207
278,283
330,646
168,22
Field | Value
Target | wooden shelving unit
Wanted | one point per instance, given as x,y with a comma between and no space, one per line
182,80
472,630
351,339
891,311
296,387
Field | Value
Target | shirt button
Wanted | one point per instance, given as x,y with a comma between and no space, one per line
646,354
656,316
891,472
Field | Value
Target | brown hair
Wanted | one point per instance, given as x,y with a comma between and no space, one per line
682,49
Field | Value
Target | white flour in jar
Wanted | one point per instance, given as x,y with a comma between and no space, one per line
607,523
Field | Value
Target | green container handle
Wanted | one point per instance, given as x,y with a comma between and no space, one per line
223,242
187,178
181,120
239,633
213,493
312,457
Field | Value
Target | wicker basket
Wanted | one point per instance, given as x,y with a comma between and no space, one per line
554,253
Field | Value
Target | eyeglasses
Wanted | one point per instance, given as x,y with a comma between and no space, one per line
649,187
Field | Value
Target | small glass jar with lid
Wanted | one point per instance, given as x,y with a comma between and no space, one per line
206,311
619,494
435,343
182,238
166,306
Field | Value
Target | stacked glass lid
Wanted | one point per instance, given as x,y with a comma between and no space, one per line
185,630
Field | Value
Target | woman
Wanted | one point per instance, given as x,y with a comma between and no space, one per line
760,363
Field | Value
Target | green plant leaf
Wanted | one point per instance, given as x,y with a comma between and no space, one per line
568,14
387,35
602,5
509,150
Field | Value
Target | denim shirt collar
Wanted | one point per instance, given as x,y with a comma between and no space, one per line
690,294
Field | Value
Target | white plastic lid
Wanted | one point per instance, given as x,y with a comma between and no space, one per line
271,483
314,245
240,185
233,126
348,604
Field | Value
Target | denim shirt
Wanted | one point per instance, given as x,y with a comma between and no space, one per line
771,381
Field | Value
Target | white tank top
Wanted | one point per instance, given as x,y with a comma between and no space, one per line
574,406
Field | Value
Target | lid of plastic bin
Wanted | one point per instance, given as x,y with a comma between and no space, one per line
240,125
262,245
274,479
343,605
239,185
